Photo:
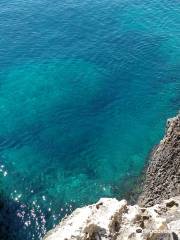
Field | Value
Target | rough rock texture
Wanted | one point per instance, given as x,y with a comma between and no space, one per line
163,174
110,219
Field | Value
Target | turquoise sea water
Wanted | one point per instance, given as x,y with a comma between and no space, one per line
85,90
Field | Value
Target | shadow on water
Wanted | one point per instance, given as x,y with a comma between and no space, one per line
28,219
130,186
11,227
15,221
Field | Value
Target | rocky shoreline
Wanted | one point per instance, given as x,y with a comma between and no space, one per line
156,215
163,173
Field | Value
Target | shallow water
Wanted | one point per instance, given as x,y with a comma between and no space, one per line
85,90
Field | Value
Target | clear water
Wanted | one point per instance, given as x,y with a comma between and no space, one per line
85,90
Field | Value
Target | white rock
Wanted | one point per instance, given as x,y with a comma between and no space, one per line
110,219
99,219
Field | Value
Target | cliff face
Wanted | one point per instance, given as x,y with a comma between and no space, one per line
110,219
163,174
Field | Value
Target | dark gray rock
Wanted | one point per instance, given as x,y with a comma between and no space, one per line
163,174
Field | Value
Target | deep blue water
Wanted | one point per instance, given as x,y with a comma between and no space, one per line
85,91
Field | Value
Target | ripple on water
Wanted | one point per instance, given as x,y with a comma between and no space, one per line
85,90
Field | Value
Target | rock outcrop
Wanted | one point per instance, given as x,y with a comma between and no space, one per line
157,215
163,173
110,219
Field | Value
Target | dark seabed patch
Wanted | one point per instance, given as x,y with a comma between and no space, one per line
85,90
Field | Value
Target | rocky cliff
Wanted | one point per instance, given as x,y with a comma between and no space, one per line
163,173
157,215
110,219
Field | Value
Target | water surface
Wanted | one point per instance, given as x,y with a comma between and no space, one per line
85,90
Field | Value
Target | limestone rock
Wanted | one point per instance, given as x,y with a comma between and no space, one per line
97,221
110,219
